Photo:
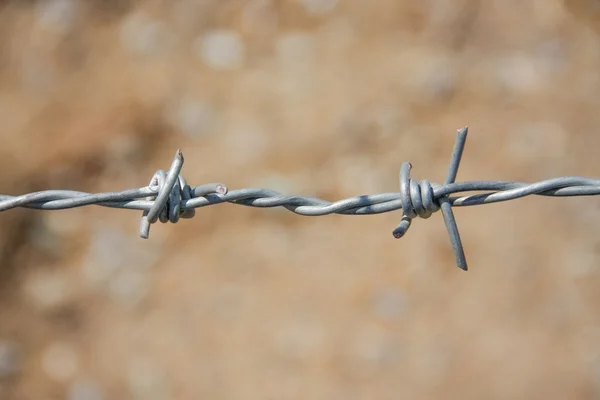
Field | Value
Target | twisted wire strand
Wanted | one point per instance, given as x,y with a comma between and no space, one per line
168,197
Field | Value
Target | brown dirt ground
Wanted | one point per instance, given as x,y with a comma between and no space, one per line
320,98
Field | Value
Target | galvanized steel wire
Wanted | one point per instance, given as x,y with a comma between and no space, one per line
168,197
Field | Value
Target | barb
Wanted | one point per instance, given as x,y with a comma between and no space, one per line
168,197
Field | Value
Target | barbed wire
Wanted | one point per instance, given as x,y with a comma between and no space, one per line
168,197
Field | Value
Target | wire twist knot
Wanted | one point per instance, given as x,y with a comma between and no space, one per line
172,192
418,200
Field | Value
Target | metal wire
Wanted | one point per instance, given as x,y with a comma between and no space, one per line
168,197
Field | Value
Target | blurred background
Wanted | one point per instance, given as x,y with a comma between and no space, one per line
322,98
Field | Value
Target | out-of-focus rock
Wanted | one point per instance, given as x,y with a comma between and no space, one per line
120,265
246,141
85,389
143,35
221,49
191,117
295,51
319,6
49,289
147,380
300,340
390,304
10,358
371,351
57,16
60,361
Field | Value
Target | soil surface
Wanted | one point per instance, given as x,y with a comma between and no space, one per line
322,98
